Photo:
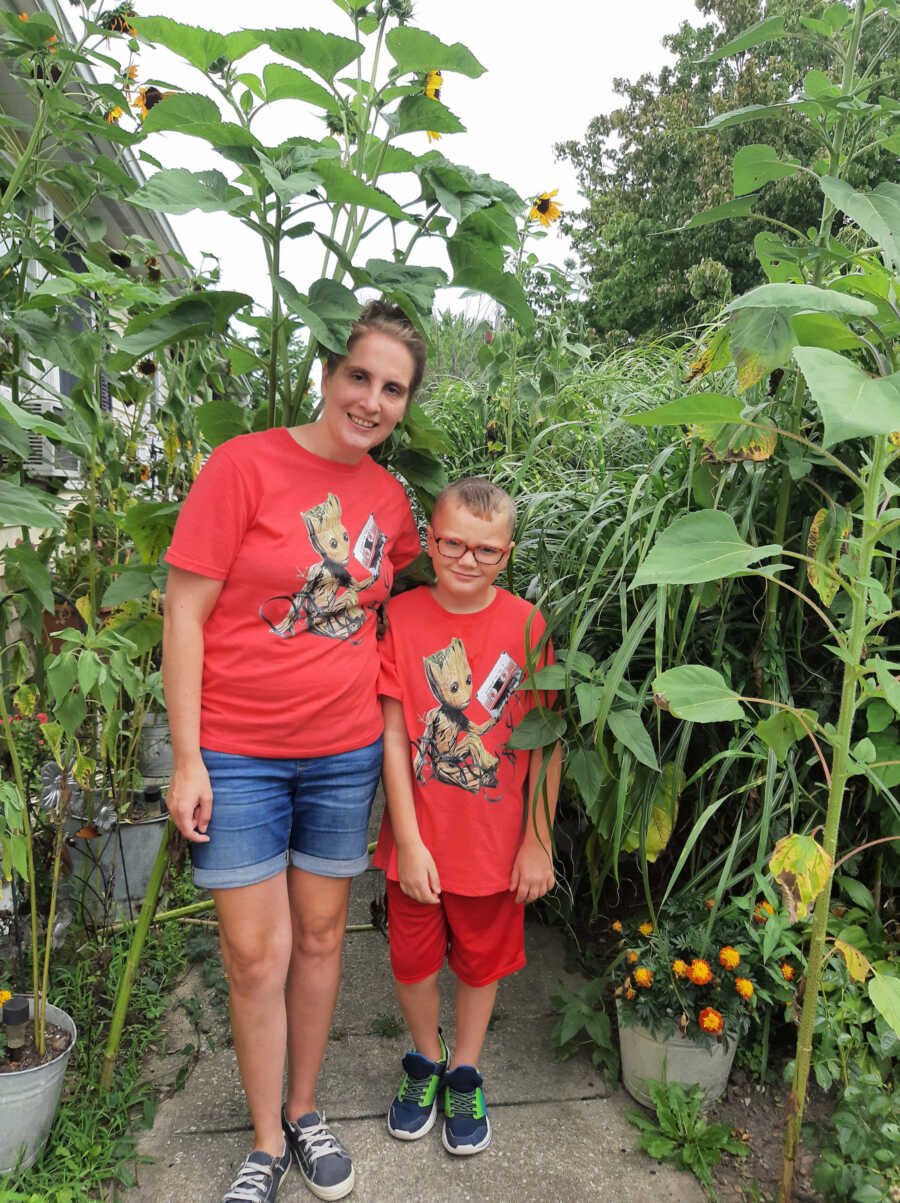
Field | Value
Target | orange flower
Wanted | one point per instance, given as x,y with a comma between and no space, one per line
710,1020
23,16
5,996
787,971
631,956
763,911
744,987
643,977
729,957
617,927
680,968
646,929
132,72
710,903
630,994
700,972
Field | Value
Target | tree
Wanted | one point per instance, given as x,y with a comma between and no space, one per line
649,166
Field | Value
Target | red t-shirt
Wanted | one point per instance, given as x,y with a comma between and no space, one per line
458,678
307,548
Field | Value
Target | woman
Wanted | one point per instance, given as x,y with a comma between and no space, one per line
288,540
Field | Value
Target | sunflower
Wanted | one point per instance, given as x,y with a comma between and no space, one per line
710,1020
112,117
729,957
545,209
744,987
145,472
643,977
149,98
700,972
147,367
646,929
154,275
680,968
787,971
433,83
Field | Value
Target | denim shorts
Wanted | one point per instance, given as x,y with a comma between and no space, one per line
266,813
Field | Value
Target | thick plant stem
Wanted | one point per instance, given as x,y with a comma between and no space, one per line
134,956
839,773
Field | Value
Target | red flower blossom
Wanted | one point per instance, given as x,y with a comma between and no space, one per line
710,1020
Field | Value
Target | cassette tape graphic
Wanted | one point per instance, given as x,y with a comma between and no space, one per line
499,685
369,547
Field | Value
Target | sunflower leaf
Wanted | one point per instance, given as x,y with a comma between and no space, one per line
416,50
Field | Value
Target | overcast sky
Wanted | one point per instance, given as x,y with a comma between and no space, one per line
550,69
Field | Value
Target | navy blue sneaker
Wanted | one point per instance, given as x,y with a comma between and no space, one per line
324,1162
414,1109
467,1128
259,1177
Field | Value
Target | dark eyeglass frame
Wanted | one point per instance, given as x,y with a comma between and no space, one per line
494,554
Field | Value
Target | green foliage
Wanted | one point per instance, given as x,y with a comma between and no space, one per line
680,1134
861,1163
584,1023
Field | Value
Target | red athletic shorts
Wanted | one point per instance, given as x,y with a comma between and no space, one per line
482,938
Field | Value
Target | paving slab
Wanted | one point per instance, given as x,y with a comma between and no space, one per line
557,1136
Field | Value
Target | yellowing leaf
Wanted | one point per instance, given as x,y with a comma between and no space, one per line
663,814
83,606
826,542
857,964
802,868
715,356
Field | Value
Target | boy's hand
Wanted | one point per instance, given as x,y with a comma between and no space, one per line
532,873
418,873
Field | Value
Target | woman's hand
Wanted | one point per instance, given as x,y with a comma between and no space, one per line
532,872
418,873
189,801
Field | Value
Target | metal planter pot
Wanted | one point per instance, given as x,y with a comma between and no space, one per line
677,1059
112,870
155,748
29,1099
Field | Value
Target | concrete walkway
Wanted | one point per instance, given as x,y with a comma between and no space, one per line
558,1136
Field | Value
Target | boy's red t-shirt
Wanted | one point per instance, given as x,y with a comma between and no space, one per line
459,679
307,548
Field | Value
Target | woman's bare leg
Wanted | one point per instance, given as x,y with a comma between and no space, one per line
319,916
255,933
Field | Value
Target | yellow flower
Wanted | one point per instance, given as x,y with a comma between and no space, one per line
700,972
631,956
433,83
646,929
113,115
433,135
643,977
729,957
617,927
132,72
680,968
545,209
149,98
5,996
710,1020
744,987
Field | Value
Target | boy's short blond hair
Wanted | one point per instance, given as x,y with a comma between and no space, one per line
480,497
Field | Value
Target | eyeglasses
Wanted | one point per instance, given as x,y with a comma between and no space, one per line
455,549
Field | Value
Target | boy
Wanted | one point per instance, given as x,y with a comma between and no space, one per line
463,843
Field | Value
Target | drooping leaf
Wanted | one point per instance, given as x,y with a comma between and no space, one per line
696,693
702,546
887,683
586,768
420,112
221,420
415,50
876,212
756,165
150,524
325,53
857,964
769,30
25,560
193,315
715,356
342,187
24,506
132,584
884,991
781,730
802,298
477,264
287,83
827,542
538,729
328,312
761,340
177,190
802,868
757,112
742,207
628,729
704,407
417,283
852,404
662,817
201,47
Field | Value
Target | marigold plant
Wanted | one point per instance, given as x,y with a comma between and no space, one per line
729,957
710,1020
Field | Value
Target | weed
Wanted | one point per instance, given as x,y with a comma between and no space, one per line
681,1134
386,1025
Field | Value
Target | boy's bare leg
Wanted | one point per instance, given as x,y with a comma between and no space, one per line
474,1006
420,1003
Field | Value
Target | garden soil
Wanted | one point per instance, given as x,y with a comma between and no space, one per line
56,1041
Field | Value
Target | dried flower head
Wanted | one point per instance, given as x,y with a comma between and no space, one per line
630,994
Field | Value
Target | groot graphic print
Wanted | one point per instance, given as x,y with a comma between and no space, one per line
451,743
328,602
